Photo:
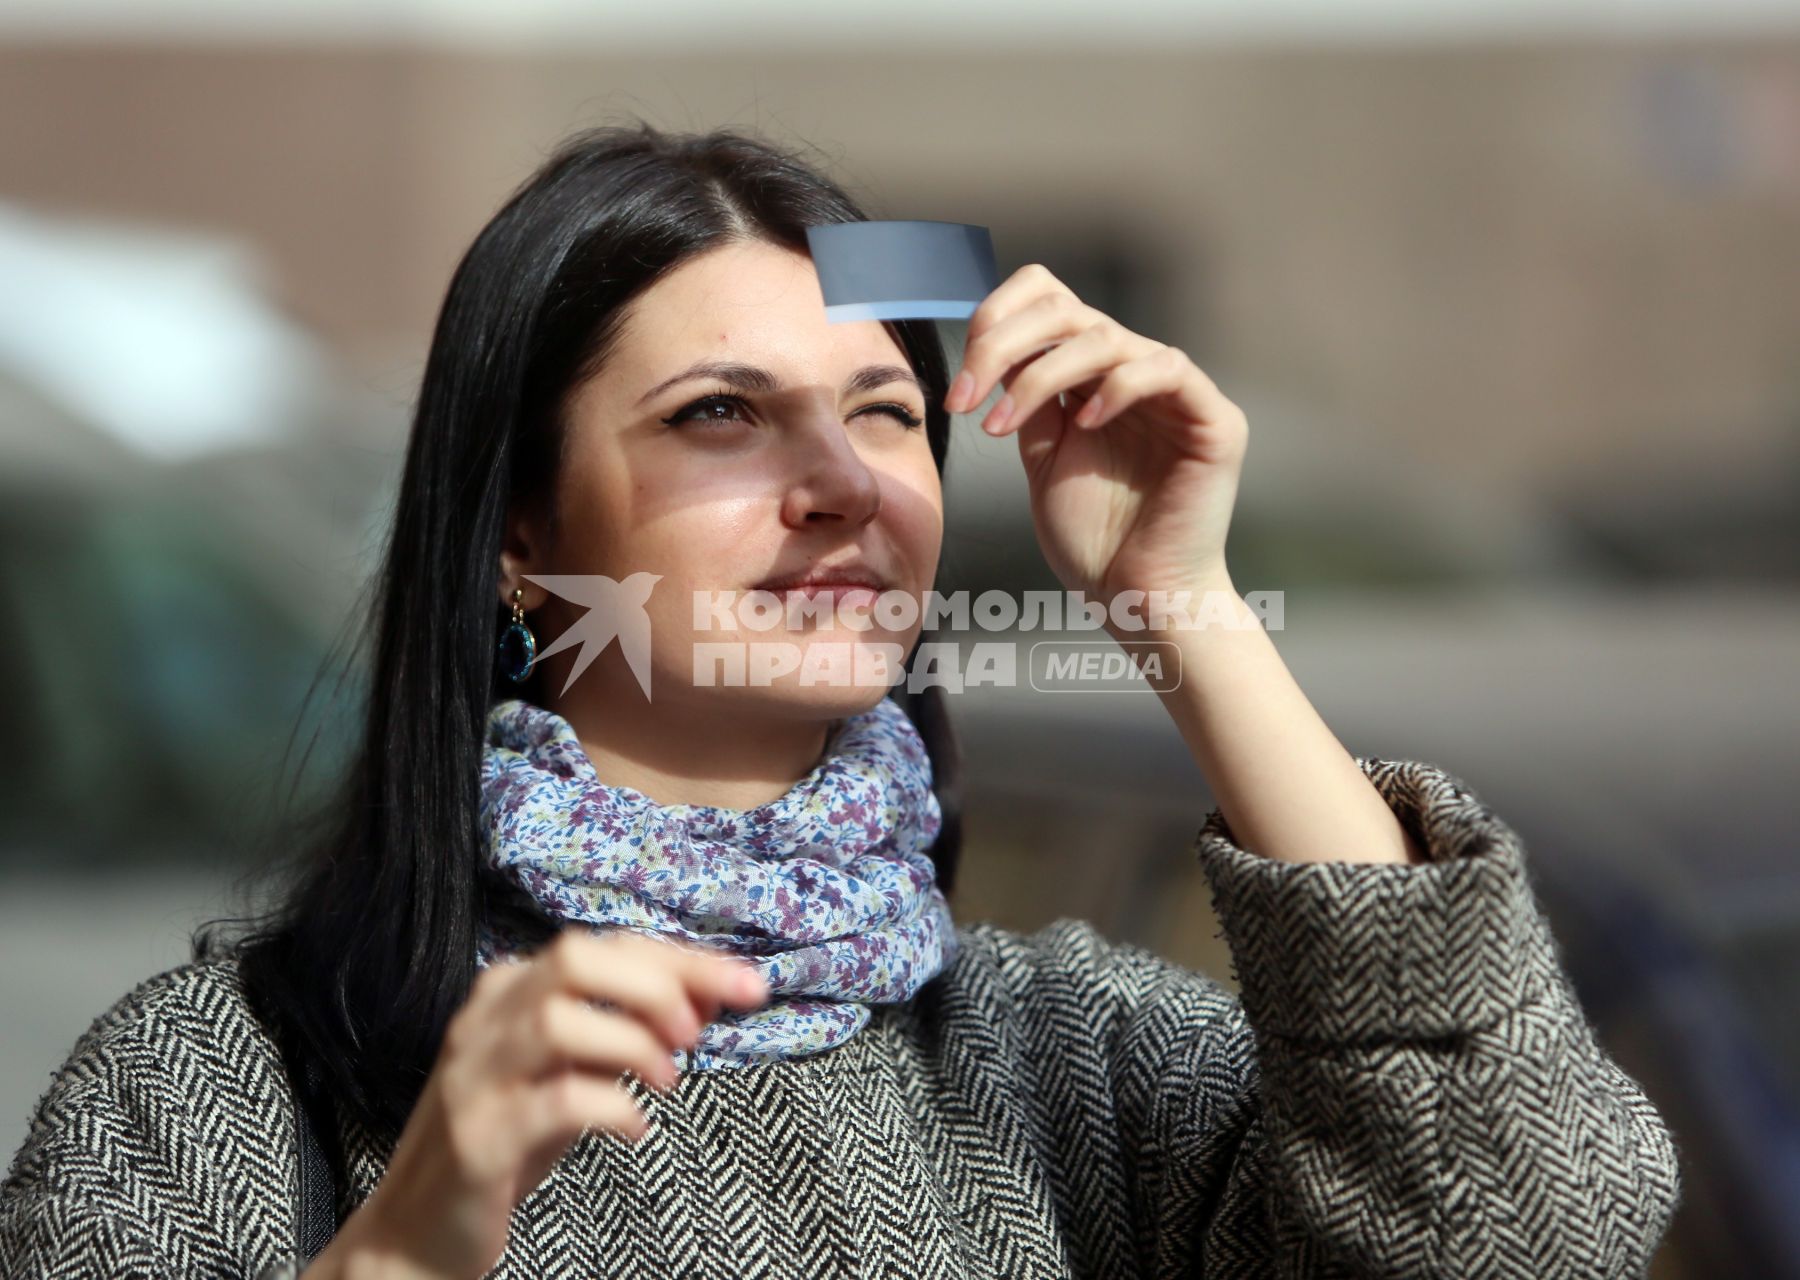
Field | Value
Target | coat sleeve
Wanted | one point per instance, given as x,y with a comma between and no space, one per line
1408,1086
120,1175
65,1208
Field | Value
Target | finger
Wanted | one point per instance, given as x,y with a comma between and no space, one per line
673,988
712,978
1158,373
1167,372
1083,361
1010,295
559,1108
993,356
562,1031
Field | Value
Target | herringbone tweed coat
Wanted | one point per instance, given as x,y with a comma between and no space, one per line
1405,1087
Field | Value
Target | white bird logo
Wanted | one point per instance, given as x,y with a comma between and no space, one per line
614,609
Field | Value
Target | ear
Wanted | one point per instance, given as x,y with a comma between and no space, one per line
524,548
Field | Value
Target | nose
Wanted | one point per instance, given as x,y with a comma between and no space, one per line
831,481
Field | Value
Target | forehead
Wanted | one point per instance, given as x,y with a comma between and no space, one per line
758,301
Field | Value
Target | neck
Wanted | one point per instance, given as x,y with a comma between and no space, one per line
692,756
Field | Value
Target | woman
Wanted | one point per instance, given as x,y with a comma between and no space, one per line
610,970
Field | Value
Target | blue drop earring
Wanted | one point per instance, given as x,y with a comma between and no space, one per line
519,635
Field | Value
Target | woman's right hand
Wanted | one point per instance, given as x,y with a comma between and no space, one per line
526,1065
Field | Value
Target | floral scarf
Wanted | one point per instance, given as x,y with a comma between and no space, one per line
827,890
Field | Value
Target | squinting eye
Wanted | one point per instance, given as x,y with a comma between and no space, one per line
898,411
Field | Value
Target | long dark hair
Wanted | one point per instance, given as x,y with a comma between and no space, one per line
359,967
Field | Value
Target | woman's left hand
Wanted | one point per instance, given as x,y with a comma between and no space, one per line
1132,480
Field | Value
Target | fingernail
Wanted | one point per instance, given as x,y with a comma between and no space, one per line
751,984
996,420
963,386
1089,412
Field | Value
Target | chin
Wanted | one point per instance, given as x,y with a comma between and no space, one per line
788,700
833,670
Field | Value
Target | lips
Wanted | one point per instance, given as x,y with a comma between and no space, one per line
825,576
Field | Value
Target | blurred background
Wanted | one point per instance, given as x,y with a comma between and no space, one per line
1510,292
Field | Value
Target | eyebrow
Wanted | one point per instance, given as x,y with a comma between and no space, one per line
749,377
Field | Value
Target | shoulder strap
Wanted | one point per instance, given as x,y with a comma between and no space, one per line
318,1189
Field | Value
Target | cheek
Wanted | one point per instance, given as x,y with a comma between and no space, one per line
594,525
656,524
912,504
705,543
705,547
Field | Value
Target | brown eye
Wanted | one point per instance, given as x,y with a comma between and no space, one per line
707,403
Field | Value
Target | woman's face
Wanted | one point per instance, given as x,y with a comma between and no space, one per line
719,482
